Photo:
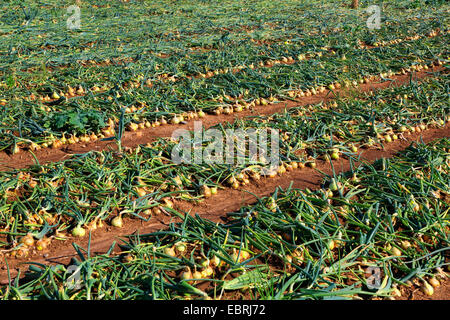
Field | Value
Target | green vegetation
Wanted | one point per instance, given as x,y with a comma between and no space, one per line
161,61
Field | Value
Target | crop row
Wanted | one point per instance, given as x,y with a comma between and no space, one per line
89,190
39,101
177,31
39,121
365,233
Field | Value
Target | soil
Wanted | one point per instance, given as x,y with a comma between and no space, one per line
415,293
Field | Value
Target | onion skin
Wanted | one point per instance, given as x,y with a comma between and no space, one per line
28,240
427,288
434,282
186,275
197,275
206,191
311,165
396,252
117,222
78,232
181,247
169,251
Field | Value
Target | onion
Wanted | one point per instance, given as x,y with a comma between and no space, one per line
334,155
168,203
207,272
331,244
117,222
228,110
197,275
238,108
231,180
333,185
78,231
206,191
15,149
187,274
415,206
434,282
128,258
272,205
169,251
180,246
405,244
56,144
311,164
141,192
427,288
28,240
204,263
175,120
396,252
215,261
272,174
244,255
240,176
281,169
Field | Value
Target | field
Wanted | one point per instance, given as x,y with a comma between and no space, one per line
226,150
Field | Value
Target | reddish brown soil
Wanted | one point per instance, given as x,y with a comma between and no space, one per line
133,139
214,208
415,293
